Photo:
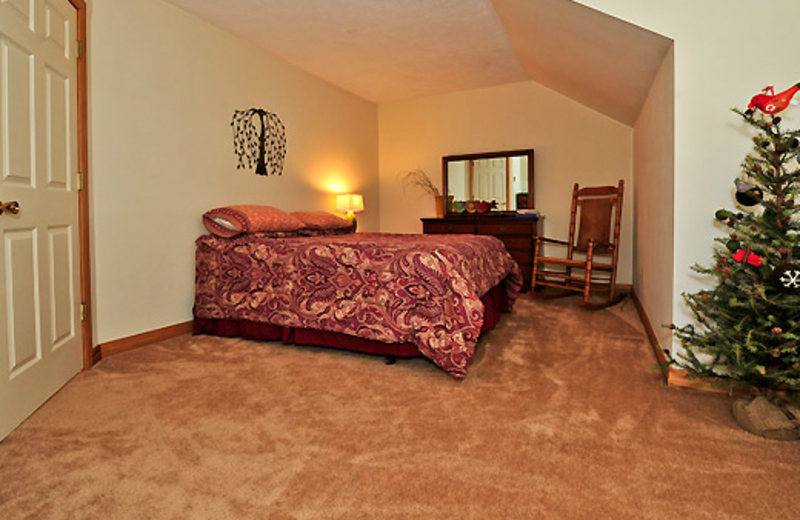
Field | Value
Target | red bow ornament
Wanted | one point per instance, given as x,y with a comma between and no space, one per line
745,254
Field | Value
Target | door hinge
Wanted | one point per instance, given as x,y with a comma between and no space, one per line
84,310
80,181
80,49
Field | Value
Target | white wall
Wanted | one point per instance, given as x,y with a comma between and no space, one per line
163,87
572,144
653,172
725,52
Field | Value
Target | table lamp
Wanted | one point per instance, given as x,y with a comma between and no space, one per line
350,203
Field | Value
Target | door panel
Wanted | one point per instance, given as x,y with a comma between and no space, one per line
21,8
62,289
22,296
57,29
40,334
16,81
57,118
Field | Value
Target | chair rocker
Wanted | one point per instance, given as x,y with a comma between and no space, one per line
597,212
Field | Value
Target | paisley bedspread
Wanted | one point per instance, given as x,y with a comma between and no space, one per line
393,288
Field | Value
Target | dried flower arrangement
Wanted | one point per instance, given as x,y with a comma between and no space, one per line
418,178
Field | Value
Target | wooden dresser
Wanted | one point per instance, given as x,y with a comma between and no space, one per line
517,233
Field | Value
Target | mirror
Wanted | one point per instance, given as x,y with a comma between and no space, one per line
504,180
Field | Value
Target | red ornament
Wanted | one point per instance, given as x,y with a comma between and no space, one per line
771,103
745,254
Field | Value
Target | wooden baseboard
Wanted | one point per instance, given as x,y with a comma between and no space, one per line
677,378
661,356
681,379
97,354
139,340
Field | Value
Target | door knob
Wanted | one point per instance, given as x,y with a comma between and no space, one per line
12,207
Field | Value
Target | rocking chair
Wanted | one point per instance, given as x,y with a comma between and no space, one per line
596,209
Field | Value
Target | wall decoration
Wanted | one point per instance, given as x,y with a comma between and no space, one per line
264,145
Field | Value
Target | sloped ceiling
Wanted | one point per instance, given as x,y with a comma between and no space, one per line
385,50
595,59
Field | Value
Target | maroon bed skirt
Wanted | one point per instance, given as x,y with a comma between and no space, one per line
494,302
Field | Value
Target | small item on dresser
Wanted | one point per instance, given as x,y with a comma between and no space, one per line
533,212
470,206
481,206
460,206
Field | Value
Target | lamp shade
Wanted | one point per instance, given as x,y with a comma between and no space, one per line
350,202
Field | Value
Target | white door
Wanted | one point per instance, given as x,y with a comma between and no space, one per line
40,332
490,181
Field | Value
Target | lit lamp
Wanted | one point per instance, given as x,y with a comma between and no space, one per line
351,203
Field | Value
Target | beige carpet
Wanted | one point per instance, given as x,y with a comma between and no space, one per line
559,417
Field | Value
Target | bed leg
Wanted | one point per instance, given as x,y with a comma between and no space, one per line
390,360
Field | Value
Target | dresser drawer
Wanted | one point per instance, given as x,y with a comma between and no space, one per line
516,234
516,243
522,257
449,227
505,228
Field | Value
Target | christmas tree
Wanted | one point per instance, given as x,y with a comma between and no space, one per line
749,324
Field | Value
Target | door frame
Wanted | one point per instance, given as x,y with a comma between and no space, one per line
83,193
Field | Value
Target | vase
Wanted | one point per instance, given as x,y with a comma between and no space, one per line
439,200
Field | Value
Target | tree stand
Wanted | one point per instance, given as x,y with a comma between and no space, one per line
764,418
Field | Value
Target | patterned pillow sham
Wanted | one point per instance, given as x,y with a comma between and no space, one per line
229,221
322,220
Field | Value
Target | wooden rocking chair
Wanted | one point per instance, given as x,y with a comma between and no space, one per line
596,209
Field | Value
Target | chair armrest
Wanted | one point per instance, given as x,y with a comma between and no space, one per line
552,240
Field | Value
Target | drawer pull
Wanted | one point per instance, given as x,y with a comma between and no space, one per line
503,228
449,228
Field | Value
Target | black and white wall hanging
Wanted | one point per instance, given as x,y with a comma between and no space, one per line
259,138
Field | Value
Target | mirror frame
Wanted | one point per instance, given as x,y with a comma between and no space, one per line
528,152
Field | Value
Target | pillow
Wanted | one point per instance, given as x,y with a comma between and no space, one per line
322,220
229,221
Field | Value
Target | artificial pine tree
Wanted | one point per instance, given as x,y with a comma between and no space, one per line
749,324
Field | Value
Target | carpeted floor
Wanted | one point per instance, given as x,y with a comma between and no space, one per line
560,416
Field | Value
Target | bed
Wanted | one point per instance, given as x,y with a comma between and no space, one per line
397,294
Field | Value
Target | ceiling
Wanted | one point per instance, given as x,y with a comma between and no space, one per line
385,50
